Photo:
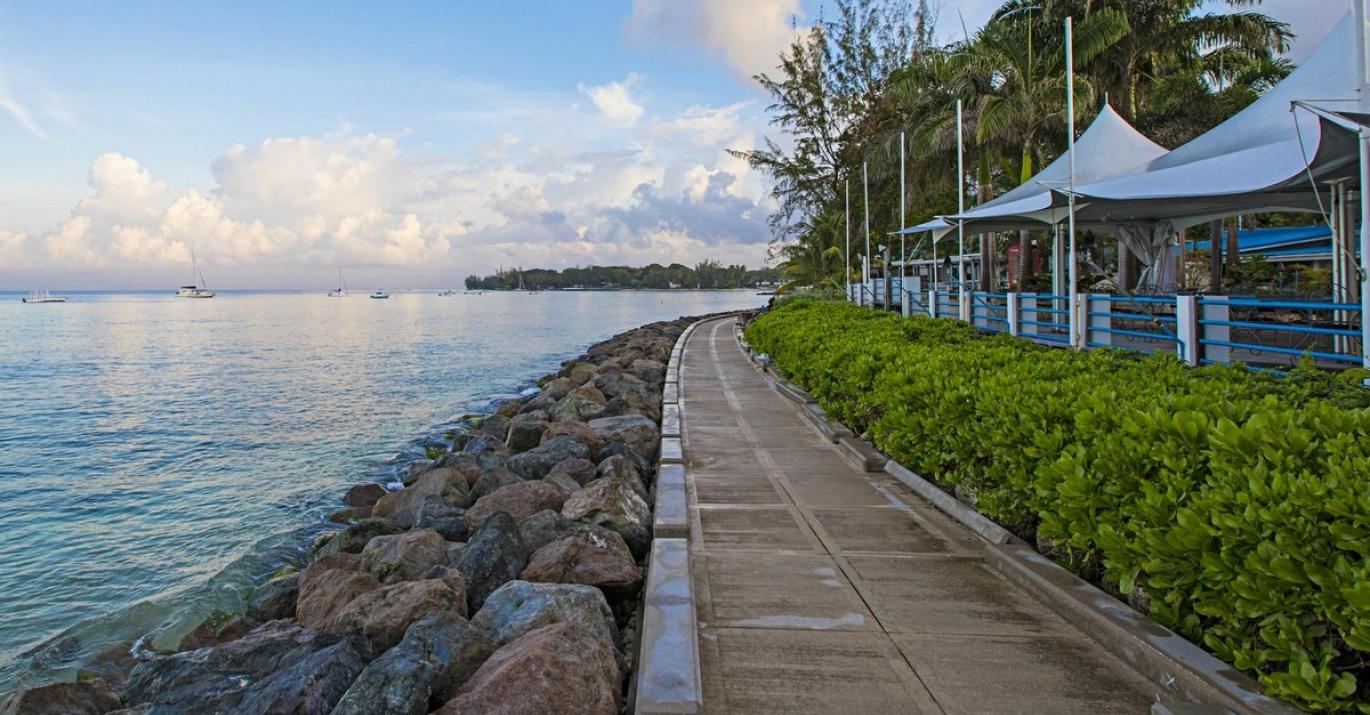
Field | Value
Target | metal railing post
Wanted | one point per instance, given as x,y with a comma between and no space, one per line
1214,308
932,303
1013,312
1187,329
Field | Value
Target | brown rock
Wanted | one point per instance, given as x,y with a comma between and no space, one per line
384,614
217,630
364,495
518,500
591,559
579,431
92,697
567,485
404,557
591,393
555,669
327,586
621,468
403,507
580,374
613,505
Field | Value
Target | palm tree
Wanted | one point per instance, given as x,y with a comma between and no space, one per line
817,258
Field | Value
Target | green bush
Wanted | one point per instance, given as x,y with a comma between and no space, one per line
1233,506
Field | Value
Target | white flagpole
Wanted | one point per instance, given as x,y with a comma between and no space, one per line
1362,18
960,209
866,201
903,249
1070,221
846,218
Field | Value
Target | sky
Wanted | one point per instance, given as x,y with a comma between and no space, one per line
410,144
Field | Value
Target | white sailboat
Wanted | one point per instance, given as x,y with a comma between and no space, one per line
196,290
341,290
42,296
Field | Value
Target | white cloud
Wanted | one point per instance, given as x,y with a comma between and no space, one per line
747,34
18,110
615,100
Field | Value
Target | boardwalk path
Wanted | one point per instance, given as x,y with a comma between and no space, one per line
821,588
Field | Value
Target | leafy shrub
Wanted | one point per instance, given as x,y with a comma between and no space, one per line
1234,506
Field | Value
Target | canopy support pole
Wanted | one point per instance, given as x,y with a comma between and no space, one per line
1364,248
866,204
1070,221
846,219
903,248
961,303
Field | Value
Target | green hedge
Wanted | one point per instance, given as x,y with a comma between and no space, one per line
1233,506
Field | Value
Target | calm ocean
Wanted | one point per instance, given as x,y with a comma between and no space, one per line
158,455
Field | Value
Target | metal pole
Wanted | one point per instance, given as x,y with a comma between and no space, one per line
960,209
846,218
903,248
866,201
1364,248
1070,223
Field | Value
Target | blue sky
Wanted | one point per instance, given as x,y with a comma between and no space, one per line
408,142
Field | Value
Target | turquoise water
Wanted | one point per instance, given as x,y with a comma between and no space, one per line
160,455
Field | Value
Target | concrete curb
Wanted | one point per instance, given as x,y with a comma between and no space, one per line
668,679
671,516
1162,656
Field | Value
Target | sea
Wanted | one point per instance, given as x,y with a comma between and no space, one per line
160,455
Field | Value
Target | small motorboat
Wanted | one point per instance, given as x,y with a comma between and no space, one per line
42,296
380,294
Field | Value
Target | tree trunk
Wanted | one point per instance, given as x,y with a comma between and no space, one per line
1233,252
1215,256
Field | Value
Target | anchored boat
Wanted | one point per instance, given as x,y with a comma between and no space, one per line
195,291
42,296
380,294
341,290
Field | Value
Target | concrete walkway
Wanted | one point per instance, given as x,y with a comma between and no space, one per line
823,589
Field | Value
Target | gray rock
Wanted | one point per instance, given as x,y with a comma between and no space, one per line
491,481
575,408
567,485
525,433
494,555
644,466
280,667
542,401
522,606
447,520
496,426
356,536
494,458
648,371
402,508
556,669
517,500
437,655
274,599
614,505
621,468
92,697
404,557
537,462
414,469
364,495
580,471
545,527
638,432
482,443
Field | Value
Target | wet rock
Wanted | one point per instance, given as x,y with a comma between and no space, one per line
404,557
93,697
220,627
518,500
437,655
382,616
482,443
509,408
447,520
413,470
327,586
279,667
621,468
350,515
559,668
111,665
496,426
542,401
580,471
491,481
590,559
363,496
525,433
519,607
579,431
356,536
274,599
494,458
464,462
402,508
537,462
638,432
575,408
614,505
494,555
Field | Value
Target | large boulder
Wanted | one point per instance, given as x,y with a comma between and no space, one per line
525,433
579,431
537,462
220,627
580,471
619,449
575,407
648,371
489,482
556,669
580,373
447,520
356,536
274,599
464,462
518,500
614,383
518,607
559,387
638,432
280,667
614,505
92,697
566,485
437,655
621,468
590,559
545,527
382,616
481,444
365,495
402,508
327,586
541,402
404,557
494,555
496,426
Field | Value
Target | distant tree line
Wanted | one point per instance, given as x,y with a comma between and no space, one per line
706,274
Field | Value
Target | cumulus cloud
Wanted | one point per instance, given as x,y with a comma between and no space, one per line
660,189
615,101
748,35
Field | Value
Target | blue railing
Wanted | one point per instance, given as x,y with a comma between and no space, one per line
1279,333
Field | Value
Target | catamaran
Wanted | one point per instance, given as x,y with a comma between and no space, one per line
42,296
195,291
341,290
